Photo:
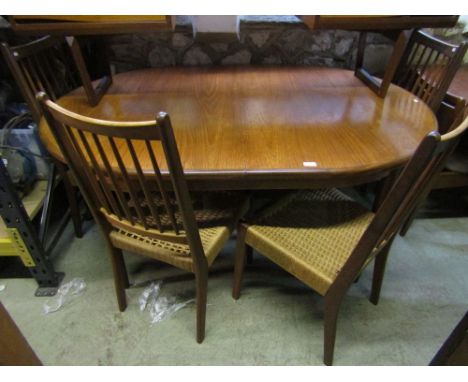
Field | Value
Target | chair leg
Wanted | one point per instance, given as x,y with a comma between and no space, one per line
249,254
239,262
407,224
122,269
331,309
379,270
72,200
120,276
201,278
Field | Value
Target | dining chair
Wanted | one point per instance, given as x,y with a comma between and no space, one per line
325,239
426,69
428,66
45,65
136,208
450,114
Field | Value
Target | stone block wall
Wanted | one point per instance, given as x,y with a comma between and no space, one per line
259,43
263,40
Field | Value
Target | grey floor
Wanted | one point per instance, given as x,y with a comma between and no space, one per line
277,320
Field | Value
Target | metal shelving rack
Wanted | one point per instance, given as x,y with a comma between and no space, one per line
19,237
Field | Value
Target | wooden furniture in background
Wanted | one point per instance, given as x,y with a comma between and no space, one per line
394,27
428,66
325,239
45,65
378,22
423,65
41,65
380,86
142,215
265,127
75,25
93,93
14,349
456,172
451,113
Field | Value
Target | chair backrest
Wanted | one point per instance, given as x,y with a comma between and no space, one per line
427,161
428,66
41,65
106,159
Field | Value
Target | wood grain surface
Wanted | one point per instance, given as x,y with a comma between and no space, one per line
255,127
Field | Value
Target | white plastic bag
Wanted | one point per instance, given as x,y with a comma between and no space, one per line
149,294
164,307
67,293
2,287
160,307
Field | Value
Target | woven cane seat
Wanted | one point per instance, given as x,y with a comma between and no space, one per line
216,222
310,234
210,209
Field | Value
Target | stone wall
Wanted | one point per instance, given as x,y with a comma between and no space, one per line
263,40
259,43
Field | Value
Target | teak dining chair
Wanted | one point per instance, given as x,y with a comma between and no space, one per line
135,208
44,65
325,239
426,69
428,66
41,65
450,114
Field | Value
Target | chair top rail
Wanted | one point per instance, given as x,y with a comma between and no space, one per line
20,52
119,129
444,47
455,133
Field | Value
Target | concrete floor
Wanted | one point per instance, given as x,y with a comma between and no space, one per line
277,320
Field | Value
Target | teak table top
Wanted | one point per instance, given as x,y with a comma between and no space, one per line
268,127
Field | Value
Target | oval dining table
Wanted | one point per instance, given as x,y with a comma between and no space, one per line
267,127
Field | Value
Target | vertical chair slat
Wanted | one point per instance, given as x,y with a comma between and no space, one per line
438,76
416,64
143,185
162,190
406,70
421,84
419,52
36,79
41,74
415,79
423,73
120,197
133,194
428,67
50,67
32,87
97,169
84,165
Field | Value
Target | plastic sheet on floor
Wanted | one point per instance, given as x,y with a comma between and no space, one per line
160,307
66,294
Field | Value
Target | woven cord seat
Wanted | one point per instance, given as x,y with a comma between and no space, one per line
216,224
325,239
304,232
137,210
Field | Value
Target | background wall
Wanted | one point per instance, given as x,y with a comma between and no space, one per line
261,41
